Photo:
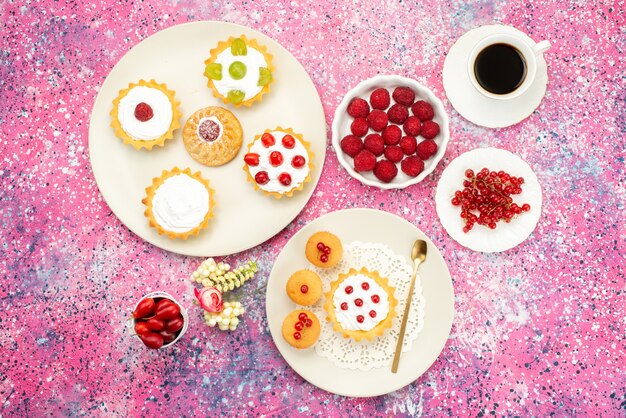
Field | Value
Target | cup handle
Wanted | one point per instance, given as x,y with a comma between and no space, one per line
541,47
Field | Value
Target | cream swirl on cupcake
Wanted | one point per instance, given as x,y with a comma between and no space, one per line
180,204
360,303
278,162
156,125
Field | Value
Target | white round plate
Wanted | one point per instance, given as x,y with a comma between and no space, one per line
342,122
244,217
470,103
481,238
366,225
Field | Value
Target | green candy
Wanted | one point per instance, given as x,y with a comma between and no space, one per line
237,70
236,96
213,71
238,47
265,76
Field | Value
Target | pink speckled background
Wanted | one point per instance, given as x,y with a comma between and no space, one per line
539,330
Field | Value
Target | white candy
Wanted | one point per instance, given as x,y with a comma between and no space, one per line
232,327
234,322
212,268
212,322
223,327
226,321
227,312
206,282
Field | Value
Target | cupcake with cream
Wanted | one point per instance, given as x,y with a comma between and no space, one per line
360,304
278,162
239,71
179,203
145,114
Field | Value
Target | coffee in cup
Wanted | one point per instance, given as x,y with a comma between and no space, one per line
503,66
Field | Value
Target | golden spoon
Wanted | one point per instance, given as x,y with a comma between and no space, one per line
418,254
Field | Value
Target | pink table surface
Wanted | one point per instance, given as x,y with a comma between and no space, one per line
539,330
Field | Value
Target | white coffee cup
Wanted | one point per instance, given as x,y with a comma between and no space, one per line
528,51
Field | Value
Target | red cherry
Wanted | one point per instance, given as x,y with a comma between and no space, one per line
358,302
285,179
251,159
304,288
324,258
262,177
143,112
344,307
298,161
276,158
298,326
365,286
288,141
302,317
349,289
267,139
320,246
375,298
360,319
373,314
309,323
326,250
297,335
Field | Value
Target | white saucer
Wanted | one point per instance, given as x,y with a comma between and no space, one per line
474,106
481,238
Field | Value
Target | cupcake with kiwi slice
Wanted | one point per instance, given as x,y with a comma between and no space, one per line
239,71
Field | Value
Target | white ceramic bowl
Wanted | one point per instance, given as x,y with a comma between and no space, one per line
183,312
342,121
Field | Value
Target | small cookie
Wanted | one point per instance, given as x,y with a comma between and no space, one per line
304,287
301,329
324,249
213,136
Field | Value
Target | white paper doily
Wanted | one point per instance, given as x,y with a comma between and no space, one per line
365,355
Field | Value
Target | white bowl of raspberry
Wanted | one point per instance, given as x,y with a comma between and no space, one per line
390,132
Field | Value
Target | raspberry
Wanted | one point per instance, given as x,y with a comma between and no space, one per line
394,153
412,126
351,145
423,110
379,99
426,149
364,161
408,144
404,96
375,144
377,120
358,108
392,134
398,113
430,129
385,171
412,166
359,126
143,112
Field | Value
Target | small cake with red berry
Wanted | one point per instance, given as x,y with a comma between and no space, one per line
212,136
324,249
360,304
301,329
304,287
279,162
145,114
